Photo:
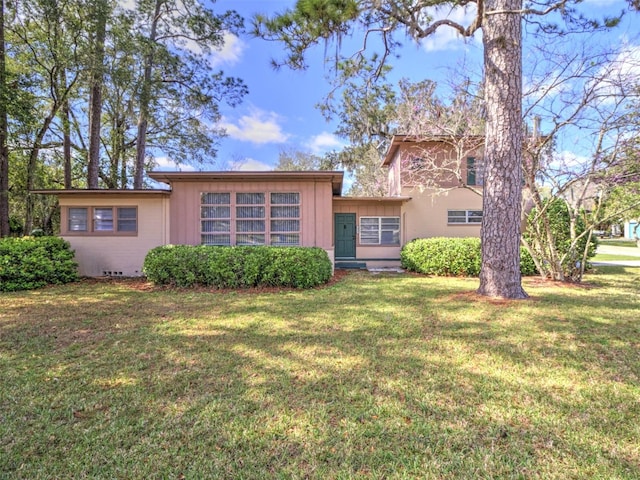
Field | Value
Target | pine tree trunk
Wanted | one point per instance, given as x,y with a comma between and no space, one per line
4,152
95,97
145,99
501,228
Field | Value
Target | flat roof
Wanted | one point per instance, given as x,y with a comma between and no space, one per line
373,199
103,191
335,177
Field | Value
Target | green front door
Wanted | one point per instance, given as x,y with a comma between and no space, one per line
345,232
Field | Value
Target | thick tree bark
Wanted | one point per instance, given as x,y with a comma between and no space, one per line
95,97
4,152
501,228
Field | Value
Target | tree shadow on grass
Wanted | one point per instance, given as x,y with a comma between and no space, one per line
379,377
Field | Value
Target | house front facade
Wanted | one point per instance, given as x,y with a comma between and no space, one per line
112,230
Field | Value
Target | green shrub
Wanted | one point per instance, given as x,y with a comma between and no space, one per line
30,262
237,267
556,213
442,256
527,266
451,257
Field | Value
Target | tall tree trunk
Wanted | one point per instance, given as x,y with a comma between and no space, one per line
66,134
95,97
502,38
4,151
145,99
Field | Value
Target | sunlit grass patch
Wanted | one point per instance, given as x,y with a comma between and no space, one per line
386,376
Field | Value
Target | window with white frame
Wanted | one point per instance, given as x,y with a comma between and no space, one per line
215,218
102,220
380,230
259,218
464,216
285,219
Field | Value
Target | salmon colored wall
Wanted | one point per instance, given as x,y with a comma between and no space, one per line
426,214
315,207
372,208
97,255
438,151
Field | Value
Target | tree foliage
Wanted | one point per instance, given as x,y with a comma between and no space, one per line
77,67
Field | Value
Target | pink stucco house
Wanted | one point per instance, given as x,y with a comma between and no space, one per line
112,230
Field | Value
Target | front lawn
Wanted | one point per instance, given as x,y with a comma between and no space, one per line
376,376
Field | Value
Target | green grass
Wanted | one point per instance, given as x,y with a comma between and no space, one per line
385,376
604,257
617,242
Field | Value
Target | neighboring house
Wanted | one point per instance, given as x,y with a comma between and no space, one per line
112,230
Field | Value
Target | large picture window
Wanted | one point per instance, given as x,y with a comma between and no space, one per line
258,218
464,216
102,220
380,230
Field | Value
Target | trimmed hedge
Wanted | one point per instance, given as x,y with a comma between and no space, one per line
237,267
451,257
29,262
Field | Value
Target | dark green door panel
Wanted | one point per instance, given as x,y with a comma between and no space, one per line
345,235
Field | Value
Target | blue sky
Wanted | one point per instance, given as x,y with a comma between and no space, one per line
279,113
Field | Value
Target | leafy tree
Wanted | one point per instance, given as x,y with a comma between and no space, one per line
568,246
597,99
295,160
175,40
313,21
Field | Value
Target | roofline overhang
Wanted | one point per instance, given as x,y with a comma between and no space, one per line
102,191
373,199
333,176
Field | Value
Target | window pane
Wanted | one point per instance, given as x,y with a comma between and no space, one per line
250,198
475,216
282,240
215,212
390,222
77,219
250,226
249,239
127,219
216,226
369,238
285,198
285,225
369,221
102,219
215,198
285,212
390,237
250,212
215,239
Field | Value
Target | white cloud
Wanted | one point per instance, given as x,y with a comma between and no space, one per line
250,165
324,142
258,127
230,52
445,37
166,164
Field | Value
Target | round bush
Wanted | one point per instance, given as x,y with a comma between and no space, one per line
32,262
237,267
451,257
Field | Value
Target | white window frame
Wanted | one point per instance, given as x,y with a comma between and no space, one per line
278,227
380,229
469,217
